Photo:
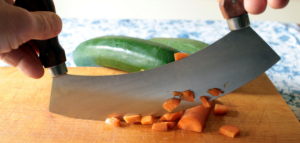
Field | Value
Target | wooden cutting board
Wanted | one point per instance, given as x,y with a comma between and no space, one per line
256,108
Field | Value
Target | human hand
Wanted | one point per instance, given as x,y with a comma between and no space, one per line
18,26
259,6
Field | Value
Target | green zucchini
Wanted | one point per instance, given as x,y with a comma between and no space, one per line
82,59
123,53
183,45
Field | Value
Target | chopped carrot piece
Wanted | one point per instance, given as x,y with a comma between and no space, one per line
132,118
147,120
204,101
186,93
160,126
176,93
170,124
179,56
194,118
215,91
171,116
230,131
187,96
220,109
165,117
171,104
175,116
113,121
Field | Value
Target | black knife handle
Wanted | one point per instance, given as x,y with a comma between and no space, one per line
232,8
50,52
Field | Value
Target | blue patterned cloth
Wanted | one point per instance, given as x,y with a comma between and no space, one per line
284,38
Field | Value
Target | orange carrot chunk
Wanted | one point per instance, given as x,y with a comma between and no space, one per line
194,118
160,126
146,120
230,131
177,93
175,116
215,91
113,121
179,56
171,116
165,117
132,118
188,95
171,104
220,109
170,124
204,102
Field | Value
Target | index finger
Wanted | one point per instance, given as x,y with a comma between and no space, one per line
255,6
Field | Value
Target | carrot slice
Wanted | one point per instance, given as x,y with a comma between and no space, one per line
175,116
170,124
179,56
177,93
113,121
215,91
220,109
230,131
204,101
147,120
160,126
188,95
132,118
171,104
194,118
165,117
171,116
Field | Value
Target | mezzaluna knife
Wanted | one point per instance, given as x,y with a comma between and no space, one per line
235,59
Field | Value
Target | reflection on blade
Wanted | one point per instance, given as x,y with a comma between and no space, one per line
234,60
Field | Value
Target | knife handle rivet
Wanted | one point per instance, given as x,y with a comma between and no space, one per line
233,1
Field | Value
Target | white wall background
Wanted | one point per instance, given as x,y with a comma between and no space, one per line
164,9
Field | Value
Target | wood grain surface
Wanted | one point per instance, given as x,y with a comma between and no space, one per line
256,108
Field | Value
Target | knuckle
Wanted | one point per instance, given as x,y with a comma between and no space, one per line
45,24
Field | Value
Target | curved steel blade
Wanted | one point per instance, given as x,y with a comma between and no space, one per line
236,59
